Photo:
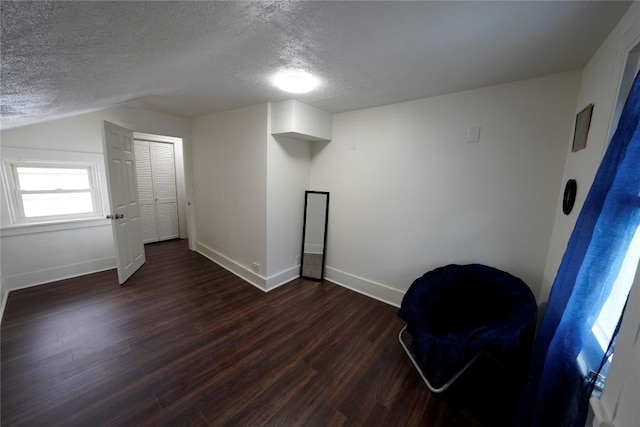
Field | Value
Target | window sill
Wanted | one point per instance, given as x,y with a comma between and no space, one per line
46,227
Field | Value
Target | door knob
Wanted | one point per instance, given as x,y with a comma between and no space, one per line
110,217
116,216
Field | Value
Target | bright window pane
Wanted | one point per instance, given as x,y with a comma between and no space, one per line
37,205
39,179
612,309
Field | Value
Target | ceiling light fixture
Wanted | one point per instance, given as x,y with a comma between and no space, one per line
295,81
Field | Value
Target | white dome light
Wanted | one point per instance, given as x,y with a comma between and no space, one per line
295,81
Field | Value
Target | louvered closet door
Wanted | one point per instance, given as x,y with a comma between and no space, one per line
157,190
164,187
145,191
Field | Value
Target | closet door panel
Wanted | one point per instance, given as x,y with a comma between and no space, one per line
167,214
164,186
145,191
164,177
149,224
155,163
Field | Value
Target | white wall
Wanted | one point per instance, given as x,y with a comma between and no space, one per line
230,188
29,258
42,257
408,194
288,174
249,187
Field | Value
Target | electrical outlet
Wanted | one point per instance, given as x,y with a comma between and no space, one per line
256,267
297,261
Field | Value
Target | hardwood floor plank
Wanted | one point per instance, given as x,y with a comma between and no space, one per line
57,401
360,409
137,413
269,401
308,407
185,342
242,380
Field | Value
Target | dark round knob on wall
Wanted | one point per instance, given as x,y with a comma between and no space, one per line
569,197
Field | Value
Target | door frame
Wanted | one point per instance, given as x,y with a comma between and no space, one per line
184,223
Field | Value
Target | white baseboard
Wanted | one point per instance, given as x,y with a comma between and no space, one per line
364,286
283,277
5,295
228,264
260,282
361,285
40,277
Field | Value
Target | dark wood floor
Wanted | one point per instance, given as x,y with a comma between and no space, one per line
184,342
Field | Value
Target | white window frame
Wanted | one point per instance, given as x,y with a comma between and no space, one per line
15,193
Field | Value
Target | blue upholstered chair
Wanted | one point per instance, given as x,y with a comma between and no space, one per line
455,314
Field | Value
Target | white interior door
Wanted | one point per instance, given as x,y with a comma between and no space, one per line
123,197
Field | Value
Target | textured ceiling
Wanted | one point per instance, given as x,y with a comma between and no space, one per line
192,58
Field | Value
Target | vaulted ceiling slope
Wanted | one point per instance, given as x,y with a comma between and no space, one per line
191,58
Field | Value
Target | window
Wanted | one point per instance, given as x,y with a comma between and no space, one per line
597,342
52,191
612,309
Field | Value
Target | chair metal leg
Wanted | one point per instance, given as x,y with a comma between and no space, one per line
419,369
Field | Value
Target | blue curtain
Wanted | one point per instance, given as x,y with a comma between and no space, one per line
555,390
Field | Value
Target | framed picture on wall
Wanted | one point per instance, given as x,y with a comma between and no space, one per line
583,121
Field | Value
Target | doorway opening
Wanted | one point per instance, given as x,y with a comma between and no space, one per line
161,183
